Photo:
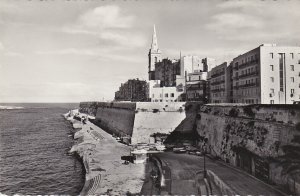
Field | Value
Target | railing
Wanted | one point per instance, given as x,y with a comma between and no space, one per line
217,74
249,74
217,82
248,63
249,85
218,90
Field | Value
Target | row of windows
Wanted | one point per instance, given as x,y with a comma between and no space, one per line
220,94
292,79
292,67
166,95
160,100
246,101
250,58
292,90
291,55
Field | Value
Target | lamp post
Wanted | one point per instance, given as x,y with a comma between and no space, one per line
204,166
204,152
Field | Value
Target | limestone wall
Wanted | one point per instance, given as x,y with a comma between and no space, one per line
137,120
116,118
264,140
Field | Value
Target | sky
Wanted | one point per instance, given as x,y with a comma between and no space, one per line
82,50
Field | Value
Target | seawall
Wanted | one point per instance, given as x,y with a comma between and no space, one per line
101,155
136,121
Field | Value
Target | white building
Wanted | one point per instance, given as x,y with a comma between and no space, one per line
268,74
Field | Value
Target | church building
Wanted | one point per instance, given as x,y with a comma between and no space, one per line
166,80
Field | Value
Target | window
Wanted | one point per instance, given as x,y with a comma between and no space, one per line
292,67
292,91
272,90
271,101
272,79
172,94
272,56
166,95
272,67
292,79
160,95
292,55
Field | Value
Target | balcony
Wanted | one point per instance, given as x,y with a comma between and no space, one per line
249,85
235,77
249,74
217,82
248,63
218,90
217,74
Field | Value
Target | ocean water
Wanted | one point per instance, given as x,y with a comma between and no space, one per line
33,151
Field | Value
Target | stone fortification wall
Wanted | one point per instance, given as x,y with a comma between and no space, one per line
89,108
137,120
261,129
264,140
154,117
116,118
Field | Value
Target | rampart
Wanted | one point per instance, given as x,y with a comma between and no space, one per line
263,140
137,121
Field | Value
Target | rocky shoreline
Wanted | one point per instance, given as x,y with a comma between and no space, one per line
101,154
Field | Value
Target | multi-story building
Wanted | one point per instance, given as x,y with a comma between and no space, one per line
217,82
208,64
166,71
229,83
166,84
196,86
132,90
190,64
268,74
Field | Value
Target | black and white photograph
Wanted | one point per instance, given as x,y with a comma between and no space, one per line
150,97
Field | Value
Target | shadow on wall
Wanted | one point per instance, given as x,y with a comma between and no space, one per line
186,131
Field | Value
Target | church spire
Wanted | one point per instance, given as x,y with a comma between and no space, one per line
154,45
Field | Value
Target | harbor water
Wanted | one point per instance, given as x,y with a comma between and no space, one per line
34,142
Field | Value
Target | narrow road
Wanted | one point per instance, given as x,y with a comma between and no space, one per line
183,173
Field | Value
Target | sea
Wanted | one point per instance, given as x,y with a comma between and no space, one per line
34,142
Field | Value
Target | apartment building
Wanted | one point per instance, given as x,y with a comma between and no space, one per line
132,90
196,86
166,71
217,82
208,64
268,74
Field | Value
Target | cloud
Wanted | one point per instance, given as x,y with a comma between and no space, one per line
96,20
1,46
234,20
248,21
105,17
9,53
109,25
103,54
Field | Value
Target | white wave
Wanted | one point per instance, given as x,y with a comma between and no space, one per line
4,107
